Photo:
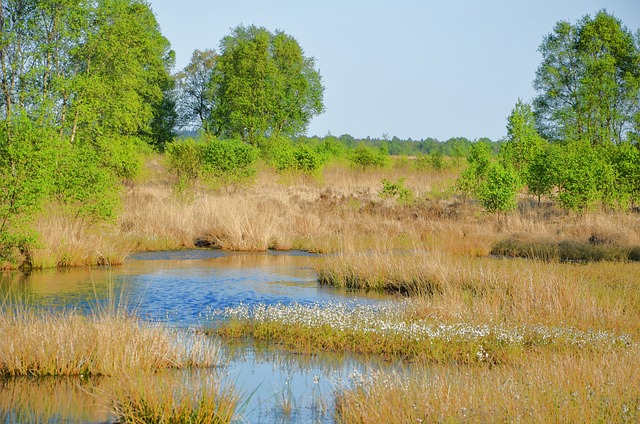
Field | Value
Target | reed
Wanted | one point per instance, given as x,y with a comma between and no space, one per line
66,241
576,387
39,343
192,399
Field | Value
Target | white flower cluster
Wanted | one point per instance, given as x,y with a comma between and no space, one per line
391,319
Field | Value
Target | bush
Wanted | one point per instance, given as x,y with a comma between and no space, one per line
365,157
284,156
306,159
498,192
397,190
229,160
185,160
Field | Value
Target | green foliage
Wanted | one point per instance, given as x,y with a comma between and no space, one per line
84,85
436,160
229,160
523,142
195,90
279,153
584,178
26,169
284,156
86,188
306,159
366,157
478,163
330,148
544,170
185,160
497,193
224,161
589,81
263,86
625,159
397,190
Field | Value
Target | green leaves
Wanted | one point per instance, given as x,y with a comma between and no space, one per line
263,86
84,84
589,81
497,193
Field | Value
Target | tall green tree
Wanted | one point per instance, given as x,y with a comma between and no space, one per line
83,84
195,90
523,141
589,81
263,86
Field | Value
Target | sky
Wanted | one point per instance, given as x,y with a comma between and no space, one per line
406,68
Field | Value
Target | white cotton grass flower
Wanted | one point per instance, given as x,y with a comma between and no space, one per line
390,318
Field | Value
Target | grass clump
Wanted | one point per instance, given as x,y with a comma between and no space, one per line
108,343
578,387
198,399
396,330
407,273
566,251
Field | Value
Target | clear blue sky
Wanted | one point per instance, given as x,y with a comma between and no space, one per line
410,68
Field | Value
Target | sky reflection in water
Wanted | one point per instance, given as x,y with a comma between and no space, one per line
179,288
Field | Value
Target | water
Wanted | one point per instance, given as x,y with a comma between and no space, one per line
179,288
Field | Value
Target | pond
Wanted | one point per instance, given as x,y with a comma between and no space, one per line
179,289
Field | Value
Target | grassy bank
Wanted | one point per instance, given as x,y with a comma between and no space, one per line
577,387
126,351
339,208
70,344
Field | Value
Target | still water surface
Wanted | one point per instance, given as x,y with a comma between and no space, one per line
179,288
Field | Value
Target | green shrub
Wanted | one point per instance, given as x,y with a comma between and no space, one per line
306,159
229,160
397,190
330,149
185,160
365,157
422,162
279,153
498,192
436,160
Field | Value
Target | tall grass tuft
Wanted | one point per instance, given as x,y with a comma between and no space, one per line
50,343
578,387
196,399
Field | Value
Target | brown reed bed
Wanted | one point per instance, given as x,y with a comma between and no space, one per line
575,387
37,343
454,288
192,399
317,213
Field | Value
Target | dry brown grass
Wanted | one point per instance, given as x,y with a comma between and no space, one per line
486,290
340,207
69,242
109,343
343,206
581,387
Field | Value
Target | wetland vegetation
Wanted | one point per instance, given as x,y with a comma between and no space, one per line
510,269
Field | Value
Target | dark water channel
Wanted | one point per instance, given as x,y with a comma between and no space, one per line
179,288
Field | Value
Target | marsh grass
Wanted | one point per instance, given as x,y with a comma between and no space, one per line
67,343
568,251
67,241
576,387
396,330
157,399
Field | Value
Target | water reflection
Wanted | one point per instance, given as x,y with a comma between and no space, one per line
179,288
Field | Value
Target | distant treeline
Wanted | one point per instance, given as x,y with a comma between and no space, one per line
453,147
